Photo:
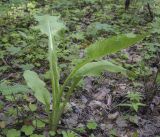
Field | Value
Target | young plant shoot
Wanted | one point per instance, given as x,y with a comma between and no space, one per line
88,66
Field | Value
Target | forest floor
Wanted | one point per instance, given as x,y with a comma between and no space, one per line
99,106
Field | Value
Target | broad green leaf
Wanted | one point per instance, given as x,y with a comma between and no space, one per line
51,26
52,133
28,130
92,125
111,45
13,133
38,86
95,68
47,22
38,123
32,107
106,47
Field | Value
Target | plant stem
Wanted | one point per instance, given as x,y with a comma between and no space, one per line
59,109
72,73
54,77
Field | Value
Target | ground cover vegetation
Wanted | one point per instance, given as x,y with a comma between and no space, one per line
80,68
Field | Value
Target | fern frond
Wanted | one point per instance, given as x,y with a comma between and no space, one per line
15,89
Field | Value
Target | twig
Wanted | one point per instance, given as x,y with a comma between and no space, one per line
4,62
150,11
158,71
17,109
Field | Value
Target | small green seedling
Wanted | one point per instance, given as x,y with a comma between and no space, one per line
38,124
134,101
13,133
68,134
87,66
81,129
112,133
91,125
28,130
52,133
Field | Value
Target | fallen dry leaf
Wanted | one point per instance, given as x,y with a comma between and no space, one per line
97,104
101,94
113,116
2,124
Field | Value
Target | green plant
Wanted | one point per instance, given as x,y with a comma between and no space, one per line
15,89
98,28
51,26
91,125
134,101
68,134
13,133
28,130
112,133
38,124
52,133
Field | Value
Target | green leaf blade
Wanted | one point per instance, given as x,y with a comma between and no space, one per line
47,21
96,68
92,125
38,86
111,45
28,130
